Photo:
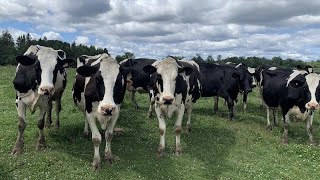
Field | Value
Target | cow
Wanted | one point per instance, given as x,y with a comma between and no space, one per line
295,92
137,79
176,88
220,80
40,79
246,82
99,91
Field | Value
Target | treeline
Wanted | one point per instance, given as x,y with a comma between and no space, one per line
9,49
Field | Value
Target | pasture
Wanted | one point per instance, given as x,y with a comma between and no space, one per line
215,149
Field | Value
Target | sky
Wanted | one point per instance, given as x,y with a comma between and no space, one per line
157,28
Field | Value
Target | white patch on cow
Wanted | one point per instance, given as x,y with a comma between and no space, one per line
272,68
296,113
109,71
168,68
310,70
294,75
48,60
228,62
33,49
239,65
192,63
313,83
123,61
251,70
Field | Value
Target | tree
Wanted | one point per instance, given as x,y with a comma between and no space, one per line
210,59
7,49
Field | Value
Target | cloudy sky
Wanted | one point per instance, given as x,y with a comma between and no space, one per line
157,28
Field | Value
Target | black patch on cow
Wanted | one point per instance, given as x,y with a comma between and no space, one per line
25,78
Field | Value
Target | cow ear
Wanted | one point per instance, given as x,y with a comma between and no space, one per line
149,69
87,71
67,62
187,70
25,60
61,53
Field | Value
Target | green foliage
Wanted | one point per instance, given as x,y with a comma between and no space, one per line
215,149
126,55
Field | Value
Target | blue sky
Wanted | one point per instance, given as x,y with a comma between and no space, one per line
157,28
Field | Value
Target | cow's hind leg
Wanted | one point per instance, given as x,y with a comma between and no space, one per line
108,137
49,110
230,107
21,108
309,128
286,127
58,110
41,140
245,98
189,110
178,129
133,99
215,104
268,127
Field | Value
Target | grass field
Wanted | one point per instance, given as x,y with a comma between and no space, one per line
215,149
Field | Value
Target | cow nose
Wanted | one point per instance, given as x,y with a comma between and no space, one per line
46,90
107,109
167,100
312,105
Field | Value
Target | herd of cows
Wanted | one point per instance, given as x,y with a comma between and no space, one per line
174,86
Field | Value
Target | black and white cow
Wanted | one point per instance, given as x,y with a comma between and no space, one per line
296,92
137,79
40,79
220,80
100,92
176,88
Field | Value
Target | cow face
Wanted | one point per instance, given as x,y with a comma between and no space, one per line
245,80
165,74
107,83
306,89
46,62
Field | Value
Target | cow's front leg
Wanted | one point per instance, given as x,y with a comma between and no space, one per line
86,128
96,140
58,110
178,129
268,127
230,107
162,130
41,140
49,117
309,128
215,104
108,136
245,98
189,110
286,127
21,109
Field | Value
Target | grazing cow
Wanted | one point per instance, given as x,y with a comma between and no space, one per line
40,79
296,92
137,79
220,80
102,87
176,88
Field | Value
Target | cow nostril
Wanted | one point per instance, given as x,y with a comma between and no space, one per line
167,101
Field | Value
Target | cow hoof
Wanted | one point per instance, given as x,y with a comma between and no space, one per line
57,126
188,129
160,151
178,150
96,166
41,146
47,125
16,151
269,127
109,160
118,131
86,135
285,141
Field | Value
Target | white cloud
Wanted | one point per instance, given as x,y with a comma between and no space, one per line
84,40
156,28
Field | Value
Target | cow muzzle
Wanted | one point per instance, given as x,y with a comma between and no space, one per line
107,110
312,105
46,90
167,100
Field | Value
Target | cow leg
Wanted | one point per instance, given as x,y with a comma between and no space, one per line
261,97
286,127
245,97
21,109
86,128
41,140
215,104
309,128
108,137
162,131
178,129
58,109
275,117
149,115
189,110
268,127
133,99
96,140
230,107
49,110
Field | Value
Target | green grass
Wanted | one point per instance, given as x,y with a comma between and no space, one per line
215,149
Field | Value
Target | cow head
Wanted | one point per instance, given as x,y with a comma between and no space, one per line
107,81
307,68
165,74
39,66
245,78
305,89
